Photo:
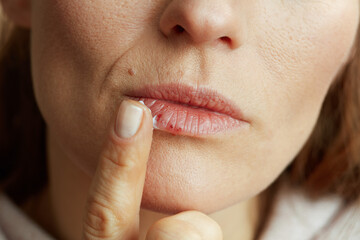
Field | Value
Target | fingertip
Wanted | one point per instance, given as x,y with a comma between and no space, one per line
128,119
147,110
131,116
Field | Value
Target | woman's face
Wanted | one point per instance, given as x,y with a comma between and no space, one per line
275,60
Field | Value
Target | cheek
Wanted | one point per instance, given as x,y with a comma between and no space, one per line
87,36
299,53
73,44
303,49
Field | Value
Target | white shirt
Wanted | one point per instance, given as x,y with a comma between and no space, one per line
294,217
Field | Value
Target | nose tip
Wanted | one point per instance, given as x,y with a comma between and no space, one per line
202,21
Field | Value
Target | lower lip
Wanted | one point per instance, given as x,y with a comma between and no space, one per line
182,119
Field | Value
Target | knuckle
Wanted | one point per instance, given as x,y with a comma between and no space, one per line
123,157
118,163
100,222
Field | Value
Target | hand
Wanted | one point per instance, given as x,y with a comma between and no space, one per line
113,204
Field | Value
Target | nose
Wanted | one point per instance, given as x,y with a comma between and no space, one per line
203,21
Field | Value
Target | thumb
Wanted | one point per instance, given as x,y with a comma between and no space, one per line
113,204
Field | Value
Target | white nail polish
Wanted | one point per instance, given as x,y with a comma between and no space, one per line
128,119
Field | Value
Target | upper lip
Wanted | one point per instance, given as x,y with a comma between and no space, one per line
196,97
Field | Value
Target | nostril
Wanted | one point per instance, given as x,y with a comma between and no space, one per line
226,40
178,29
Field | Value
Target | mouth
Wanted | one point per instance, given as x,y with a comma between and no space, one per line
184,110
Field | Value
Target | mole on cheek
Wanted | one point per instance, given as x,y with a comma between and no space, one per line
131,72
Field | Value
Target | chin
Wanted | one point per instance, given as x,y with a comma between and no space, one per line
182,176
168,204
178,200
169,194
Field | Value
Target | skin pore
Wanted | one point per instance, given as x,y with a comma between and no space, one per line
276,64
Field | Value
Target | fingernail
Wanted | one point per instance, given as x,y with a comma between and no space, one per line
128,119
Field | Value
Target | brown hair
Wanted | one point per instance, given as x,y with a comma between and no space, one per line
328,163
330,160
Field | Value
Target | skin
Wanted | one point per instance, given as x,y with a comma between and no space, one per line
276,64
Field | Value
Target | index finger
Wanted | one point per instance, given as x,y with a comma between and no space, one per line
113,204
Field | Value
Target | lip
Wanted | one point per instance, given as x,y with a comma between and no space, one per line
185,110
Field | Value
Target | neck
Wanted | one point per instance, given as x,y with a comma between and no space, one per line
66,197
